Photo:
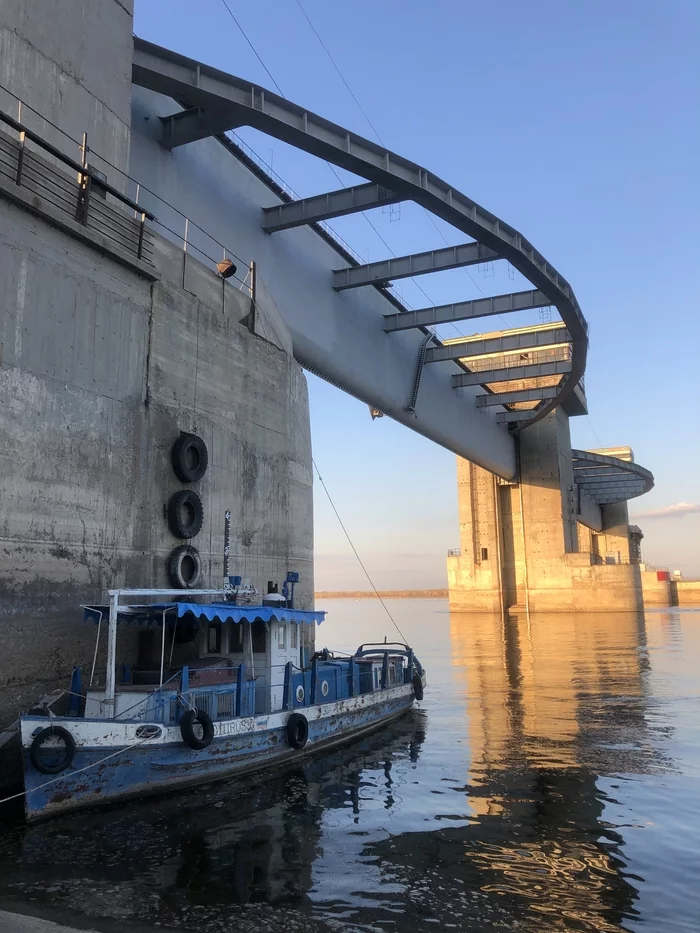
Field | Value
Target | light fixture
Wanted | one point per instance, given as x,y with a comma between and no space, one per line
225,268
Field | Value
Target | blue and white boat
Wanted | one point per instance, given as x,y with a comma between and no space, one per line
214,688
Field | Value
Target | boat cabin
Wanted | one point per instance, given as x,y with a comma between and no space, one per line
226,659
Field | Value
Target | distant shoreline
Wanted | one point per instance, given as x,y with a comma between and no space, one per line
385,594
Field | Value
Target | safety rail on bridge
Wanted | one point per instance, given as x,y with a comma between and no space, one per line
125,224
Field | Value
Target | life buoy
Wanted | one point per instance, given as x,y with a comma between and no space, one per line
192,718
417,687
190,457
297,730
46,756
184,567
185,513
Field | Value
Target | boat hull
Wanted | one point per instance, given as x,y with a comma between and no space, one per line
111,763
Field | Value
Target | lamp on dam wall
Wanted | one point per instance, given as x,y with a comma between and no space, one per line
226,268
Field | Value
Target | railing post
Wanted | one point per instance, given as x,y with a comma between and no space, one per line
84,198
20,159
184,249
253,297
351,677
142,225
385,671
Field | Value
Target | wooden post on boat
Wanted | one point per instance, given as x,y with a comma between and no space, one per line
111,651
385,671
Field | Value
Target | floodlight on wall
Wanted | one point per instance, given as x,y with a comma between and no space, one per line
226,268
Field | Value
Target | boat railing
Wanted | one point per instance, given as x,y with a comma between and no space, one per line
325,680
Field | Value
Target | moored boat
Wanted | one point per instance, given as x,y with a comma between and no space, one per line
212,688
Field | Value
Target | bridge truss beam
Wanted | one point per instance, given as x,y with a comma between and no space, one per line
507,343
466,310
326,206
435,260
512,373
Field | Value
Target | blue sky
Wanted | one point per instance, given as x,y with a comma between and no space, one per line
578,124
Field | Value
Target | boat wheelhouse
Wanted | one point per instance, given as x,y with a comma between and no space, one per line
195,691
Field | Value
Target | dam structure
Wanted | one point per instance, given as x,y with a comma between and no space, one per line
159,287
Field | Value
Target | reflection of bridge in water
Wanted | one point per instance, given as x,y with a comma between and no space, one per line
550,708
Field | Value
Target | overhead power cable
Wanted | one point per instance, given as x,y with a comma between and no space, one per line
255,51
329,164
382,143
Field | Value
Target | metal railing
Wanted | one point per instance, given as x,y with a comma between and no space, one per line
126,224
84,199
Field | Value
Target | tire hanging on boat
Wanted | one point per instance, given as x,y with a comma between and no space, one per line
297,730
417,687
39,747
184,567
190,457
188,722
185,513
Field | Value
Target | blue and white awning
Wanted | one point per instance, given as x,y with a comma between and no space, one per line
211,612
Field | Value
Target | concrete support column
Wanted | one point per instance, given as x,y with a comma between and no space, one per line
525,546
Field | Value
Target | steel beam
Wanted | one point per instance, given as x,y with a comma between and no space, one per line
465,310
510,417
435,260
325,206
511,373
518,395
606,479
505,343
187,126
198,85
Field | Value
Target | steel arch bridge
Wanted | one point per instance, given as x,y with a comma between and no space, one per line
522,373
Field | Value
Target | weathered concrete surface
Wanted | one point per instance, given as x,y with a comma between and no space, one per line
72,63
100,371
657,593
688,592
524,545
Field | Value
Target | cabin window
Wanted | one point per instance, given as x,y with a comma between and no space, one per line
235,638
214,638
293,629
484,553
259,645
282,637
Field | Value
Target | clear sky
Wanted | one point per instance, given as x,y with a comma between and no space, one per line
577,123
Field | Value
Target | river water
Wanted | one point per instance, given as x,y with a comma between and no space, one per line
550,780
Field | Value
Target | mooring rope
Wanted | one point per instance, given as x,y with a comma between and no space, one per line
62,777
359,559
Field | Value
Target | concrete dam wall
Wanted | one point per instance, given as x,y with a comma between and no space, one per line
101,369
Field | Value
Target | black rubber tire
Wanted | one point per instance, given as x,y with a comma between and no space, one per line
417,687
297,730
35,750
190,458
178,560
185,514
187,723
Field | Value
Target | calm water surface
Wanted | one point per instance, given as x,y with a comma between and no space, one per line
549,781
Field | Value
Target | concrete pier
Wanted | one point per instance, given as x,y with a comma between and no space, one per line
540,544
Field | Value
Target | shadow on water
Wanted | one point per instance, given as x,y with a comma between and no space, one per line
519,797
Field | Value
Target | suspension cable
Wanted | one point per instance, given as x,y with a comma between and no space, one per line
359,559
